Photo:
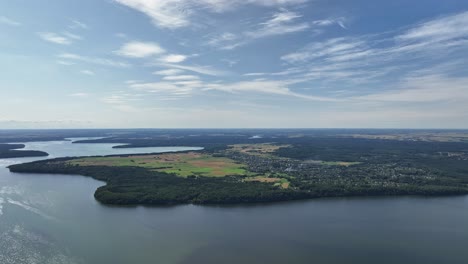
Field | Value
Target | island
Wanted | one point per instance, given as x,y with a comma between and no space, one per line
233,171
11,151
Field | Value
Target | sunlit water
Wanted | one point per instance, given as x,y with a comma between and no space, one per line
55,219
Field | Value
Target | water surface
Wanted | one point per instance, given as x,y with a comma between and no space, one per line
55,219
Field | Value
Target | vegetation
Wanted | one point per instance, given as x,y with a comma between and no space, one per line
138,185
285,168
10,151
181,164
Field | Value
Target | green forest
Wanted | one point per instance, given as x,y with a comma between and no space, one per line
312,167
11,151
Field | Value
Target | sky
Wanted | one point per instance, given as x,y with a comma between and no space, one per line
233,64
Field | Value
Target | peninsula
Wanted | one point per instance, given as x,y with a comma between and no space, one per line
237,169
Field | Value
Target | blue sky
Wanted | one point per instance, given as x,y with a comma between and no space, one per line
219,63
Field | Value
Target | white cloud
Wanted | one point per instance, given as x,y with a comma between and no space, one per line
230,62
445,28
180,77
333,48
372,58
255,74
71,35
281,23
168,14
426,88
267,87
331,21
168,72
92,60
177,13
81,95
222,40
164,87
276,2
75,24
87,72
137,49
185,85
121,35
66,63
55,38
122,101
9,21
132,81
173,58
205,70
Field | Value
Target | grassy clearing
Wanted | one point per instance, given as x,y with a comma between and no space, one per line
334,163
181,164
284,183
256,149
339,163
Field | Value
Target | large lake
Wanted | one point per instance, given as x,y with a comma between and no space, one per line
55,219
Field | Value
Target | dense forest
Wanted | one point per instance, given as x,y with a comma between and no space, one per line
314,167
133,185
10,151
315,163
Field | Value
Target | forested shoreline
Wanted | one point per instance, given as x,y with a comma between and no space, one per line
11,151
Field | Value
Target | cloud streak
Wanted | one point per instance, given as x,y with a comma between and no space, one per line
372,58
205,70
138,49
92,60
283,22
55,38
177,13
8,21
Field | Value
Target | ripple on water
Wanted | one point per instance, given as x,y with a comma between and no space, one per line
25,205
20,246
1,205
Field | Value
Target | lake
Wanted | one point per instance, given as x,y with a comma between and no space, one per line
55,219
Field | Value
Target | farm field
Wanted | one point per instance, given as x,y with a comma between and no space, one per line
263,149
181,164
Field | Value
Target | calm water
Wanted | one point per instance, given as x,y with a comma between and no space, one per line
55,219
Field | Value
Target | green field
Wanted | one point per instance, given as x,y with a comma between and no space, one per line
181,164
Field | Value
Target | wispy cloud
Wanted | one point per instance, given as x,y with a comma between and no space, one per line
138,49
55,38
173,58
80,95
168,72
66,63
424,88
123,101
93,60
121,35
87,72
180,77
186,85
177,13
441,29
75,24
283,22
333,48
266,87
205,70
71,35
340,21
9,21
166,88
222,40
371,57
